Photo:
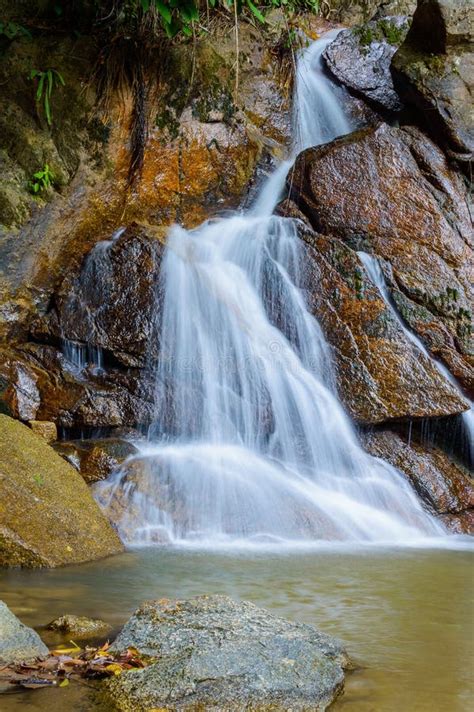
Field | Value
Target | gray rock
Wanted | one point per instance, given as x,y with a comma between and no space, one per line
17,641
360,58
214,653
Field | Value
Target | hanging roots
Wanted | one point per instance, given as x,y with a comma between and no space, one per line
131,63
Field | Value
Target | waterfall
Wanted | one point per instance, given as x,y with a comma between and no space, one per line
250,445
375,273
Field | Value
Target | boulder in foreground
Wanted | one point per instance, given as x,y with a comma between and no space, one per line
48,516
18,643
214,653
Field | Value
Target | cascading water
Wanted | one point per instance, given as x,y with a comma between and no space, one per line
250,443
376,274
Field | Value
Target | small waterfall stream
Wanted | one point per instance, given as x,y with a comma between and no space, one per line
250,445
376,274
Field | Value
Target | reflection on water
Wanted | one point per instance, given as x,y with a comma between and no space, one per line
406,616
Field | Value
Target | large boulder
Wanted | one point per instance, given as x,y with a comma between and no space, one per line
214,653
110,302
390,192
434,68
381,375
18,643
444,486
47,514
361,56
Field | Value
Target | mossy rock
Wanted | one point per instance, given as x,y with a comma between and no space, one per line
48,516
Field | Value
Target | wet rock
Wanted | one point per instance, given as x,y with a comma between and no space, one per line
96,459
76,399
390,192
18,643
45,429
47,514
433,70
444,486
360,58
215,653
110,303
80,626
380,374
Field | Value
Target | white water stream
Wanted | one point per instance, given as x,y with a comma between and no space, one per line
250,445
376,274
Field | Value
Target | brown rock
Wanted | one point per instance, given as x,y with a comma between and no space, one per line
96,459
111,399
444,486
47,514
380,373
80,626
390,192
46,429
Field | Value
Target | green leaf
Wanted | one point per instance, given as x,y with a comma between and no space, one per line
50,76
165,13
186,30
145,5
60,77
255,11
39,91
47,109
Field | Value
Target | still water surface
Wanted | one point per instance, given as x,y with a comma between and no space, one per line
405,615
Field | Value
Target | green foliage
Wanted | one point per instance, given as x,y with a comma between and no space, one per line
12,31
42,180
381,31
46,82
39,479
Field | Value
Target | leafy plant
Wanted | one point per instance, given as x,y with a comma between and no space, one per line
39,479
46,82
42,180
11,30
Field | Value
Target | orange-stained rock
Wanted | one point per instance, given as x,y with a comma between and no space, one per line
390,192
45,428
381,375
444,486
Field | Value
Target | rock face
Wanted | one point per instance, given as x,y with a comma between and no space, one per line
80,626
110,303
381,375
216,654
18,643
47,514
434,68
360,58
444,486
390,192
71,398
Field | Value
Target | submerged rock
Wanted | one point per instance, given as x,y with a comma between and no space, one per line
360,58
47,514
390,192
434,68
80,626
444,486
18,643
214,653
380,374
